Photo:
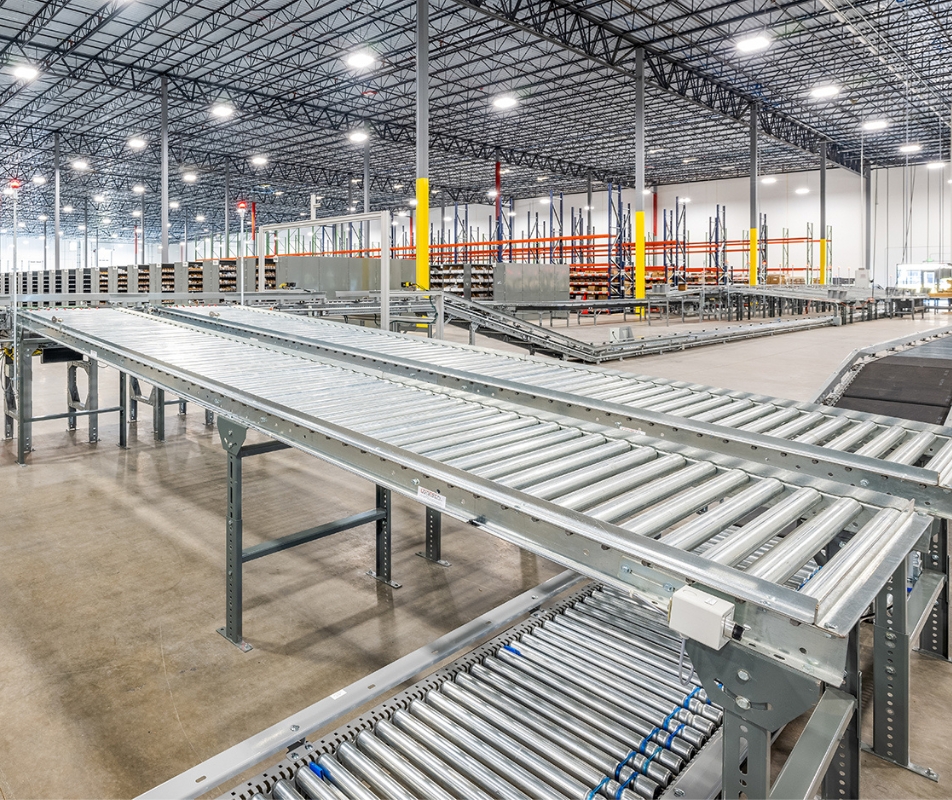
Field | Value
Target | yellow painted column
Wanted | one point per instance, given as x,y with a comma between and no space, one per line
423,233
823,260
754,258
640,255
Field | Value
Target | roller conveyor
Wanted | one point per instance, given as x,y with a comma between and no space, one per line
592,698
643,515
883,452
627,490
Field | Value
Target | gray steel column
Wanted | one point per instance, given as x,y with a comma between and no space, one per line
754,219
823,243
164,254
867,179
366,225
588,202
640,261
56,201
367,176
422,143
225,250
85,233
143,227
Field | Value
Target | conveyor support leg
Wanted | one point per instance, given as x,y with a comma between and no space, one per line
747,686
842,778
232,438
891,657
74,401
934,640
434,538
383,569
750,777
158,414
123,410
9,398
24,400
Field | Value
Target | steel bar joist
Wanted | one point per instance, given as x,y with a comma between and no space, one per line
608,44
861,450
527,477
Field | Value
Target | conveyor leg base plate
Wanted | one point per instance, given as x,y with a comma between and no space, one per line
925,772
242,645
391,584
440,561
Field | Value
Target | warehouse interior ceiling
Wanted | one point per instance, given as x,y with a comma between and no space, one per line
281,67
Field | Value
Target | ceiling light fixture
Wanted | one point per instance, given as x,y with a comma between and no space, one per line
876,125
684,200
200,218
935,165
398,186
136,143
259,161
99,198
910,147
38,180
768,180
801,190
824,92
106,221
137,213
190,177
25,72
173,204
67,209
361,60
753,44
504,102
358,136
138,189
80,164
222,110
42,218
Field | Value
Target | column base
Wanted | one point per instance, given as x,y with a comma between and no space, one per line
242,645
925,772
391,584
440,561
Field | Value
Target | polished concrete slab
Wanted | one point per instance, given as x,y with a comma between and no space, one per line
112,678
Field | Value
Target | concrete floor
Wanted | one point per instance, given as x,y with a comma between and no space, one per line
112,678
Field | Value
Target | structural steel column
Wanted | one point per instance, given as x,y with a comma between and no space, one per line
366,225
56,201
639,174
754,220
225,249
422,145
499,226
164,247
867,178
588,200
822,212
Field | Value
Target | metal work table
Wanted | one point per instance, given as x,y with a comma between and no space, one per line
609,501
